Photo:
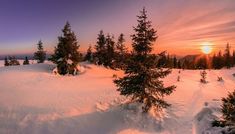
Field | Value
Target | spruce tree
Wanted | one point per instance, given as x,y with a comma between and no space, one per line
40,55
66,55
142,81
6,62
175,62
220,61
26,61
110,51
100,48
233,58
13,61
228,109
121,52
228,114
89,55
227,57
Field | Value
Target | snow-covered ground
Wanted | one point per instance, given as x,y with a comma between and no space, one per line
35,101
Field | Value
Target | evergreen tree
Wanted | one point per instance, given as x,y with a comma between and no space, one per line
13,61
227,57
89,55
220,60
142,79
233,58
162,61
110,51
175,62
228,114
6,62
121,52
201,63
228,109
203,76
100,48
40,55
66,55
26,61
179,64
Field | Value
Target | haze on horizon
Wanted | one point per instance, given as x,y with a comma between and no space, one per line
182,25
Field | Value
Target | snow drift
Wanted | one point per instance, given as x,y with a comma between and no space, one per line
35,101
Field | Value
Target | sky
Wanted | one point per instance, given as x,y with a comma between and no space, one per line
182,25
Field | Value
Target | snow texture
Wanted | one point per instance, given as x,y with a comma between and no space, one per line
35,101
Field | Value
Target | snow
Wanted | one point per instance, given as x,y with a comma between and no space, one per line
35,101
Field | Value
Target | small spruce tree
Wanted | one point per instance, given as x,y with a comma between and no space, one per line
228,114
228,109
142,81
66,55
26,61
6,62
13,61
203,76
40,55
89,55
227,57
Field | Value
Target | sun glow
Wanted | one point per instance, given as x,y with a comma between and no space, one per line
206,47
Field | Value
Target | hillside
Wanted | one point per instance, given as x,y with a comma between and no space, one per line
35,101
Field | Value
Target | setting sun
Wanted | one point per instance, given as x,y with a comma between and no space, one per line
206,48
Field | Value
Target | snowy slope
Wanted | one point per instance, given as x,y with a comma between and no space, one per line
35,101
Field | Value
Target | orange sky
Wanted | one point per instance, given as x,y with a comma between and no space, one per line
182,25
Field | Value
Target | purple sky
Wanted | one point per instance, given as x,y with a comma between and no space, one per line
182,24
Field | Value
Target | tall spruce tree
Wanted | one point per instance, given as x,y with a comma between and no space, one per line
227,57
66,55
40,55
89,55
100,48
26,61
142,81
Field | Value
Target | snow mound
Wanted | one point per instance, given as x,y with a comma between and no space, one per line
35,101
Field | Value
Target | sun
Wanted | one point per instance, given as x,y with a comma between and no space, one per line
206,47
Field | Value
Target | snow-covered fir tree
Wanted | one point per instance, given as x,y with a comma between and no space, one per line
66,55
26,61
143,81
40,55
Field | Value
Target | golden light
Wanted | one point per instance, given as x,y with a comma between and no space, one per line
206,47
